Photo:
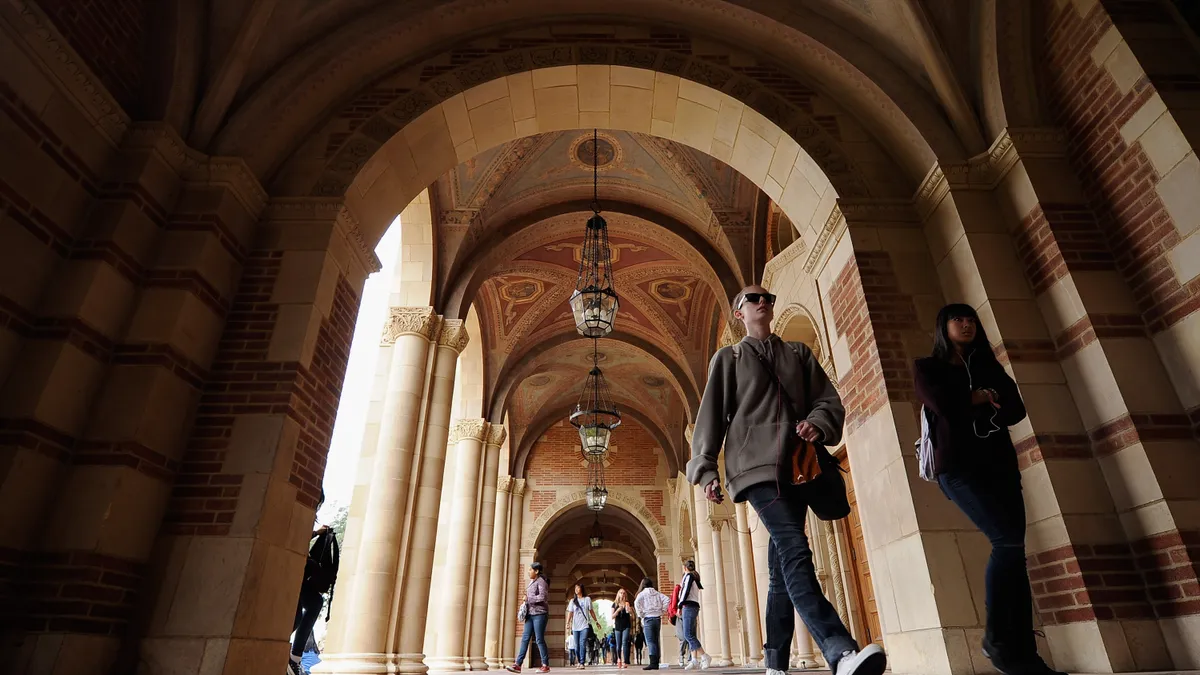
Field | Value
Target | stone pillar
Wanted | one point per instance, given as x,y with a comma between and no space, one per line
423,522
722,658
512,573
496,585
749,587
468,436
708,629
367,647
482,590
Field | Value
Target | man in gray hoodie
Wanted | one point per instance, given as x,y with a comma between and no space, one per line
744,411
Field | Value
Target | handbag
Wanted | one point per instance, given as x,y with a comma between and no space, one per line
811,467
523,612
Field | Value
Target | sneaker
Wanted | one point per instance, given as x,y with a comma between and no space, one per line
772,671
705,660
691,665
544,669
870,661
514,668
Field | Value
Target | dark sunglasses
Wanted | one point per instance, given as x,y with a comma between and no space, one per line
755,298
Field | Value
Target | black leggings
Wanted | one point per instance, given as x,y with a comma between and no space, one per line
308,610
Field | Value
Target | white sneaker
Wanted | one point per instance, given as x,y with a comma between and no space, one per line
772,671
870,661
705,660
691,665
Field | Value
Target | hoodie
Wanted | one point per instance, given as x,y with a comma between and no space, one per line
743,411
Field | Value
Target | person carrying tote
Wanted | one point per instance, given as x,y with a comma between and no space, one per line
535,611
580,617
767,401
971,402
651,606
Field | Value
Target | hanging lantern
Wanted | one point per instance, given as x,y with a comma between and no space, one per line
597,538
595,414
597,491
594,302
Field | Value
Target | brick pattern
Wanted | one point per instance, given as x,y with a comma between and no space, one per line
556,460
1054,239
1117,178
654,504
873,316
664,579
1170,565
1084,583
539,501
77,592
1127,430
109,36
1036,448
1094,326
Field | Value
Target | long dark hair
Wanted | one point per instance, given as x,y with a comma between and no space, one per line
582,590
647,582
690,566
537,567
943,348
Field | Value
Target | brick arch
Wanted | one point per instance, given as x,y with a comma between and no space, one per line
554,414
858,80
617,499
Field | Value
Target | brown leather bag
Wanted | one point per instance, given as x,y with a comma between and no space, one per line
805,463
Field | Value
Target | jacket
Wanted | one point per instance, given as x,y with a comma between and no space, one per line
537,596
965,436
743,411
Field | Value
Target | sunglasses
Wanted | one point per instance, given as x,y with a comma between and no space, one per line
755,298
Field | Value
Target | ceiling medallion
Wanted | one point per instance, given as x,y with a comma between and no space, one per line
582,156
653,381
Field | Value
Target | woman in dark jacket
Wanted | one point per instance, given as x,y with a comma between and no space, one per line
973,401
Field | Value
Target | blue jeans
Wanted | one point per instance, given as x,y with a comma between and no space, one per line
793,583
651,625
689,614
581,645
996,507
623,644
535,626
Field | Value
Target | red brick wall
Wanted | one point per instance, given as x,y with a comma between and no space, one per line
557,461
109,35
1118,179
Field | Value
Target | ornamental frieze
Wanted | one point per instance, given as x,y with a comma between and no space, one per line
409,321
454,335
468,429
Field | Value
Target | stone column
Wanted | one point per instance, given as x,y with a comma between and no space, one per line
482,592
721,659
417,569
512,573
707,630
496,586
367,645
749,587
468,436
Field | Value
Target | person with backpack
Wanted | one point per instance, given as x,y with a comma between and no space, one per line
651,605
689,615
534,612
580,617
969,402
772,407
320,576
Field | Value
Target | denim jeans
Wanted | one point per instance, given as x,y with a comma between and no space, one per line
996,507
535,626
651,625
792,577
581,645
623,644
689,614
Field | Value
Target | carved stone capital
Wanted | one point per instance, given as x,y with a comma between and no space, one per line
504,484
454,335
409,321
468,429
496,434
518,488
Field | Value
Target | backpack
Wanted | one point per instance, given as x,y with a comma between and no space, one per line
321,568
924,445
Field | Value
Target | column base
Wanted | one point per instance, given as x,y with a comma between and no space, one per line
371,664
476,663
447,664
494,663
722,662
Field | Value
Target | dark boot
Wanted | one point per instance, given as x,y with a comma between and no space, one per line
1016,662
653,664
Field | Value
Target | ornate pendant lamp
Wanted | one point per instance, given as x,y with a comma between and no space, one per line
597,491
597,538
595,414
594,302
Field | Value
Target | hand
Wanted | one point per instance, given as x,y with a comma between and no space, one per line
712,491
808,432
982,396
322,529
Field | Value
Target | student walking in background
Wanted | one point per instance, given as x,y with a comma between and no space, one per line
581,615
535,613
651,606
622,620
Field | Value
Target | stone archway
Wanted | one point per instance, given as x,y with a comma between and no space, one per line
631,504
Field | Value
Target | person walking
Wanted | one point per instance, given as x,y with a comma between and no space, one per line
320,576
746,408
581,615
535,613
970,401
689,615
650,605
622,620
639,642
673,616
570,642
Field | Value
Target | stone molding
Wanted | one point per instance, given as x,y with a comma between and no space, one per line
504,484
475,429
43,42
496,434
793,251
518,488
985,170
409,321
454,335
324,209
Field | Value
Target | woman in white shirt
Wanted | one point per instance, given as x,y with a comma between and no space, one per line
580,613
651,606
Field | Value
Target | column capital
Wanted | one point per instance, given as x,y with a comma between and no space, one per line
518,488
496,434
475,429
454,335
409,321
504,484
